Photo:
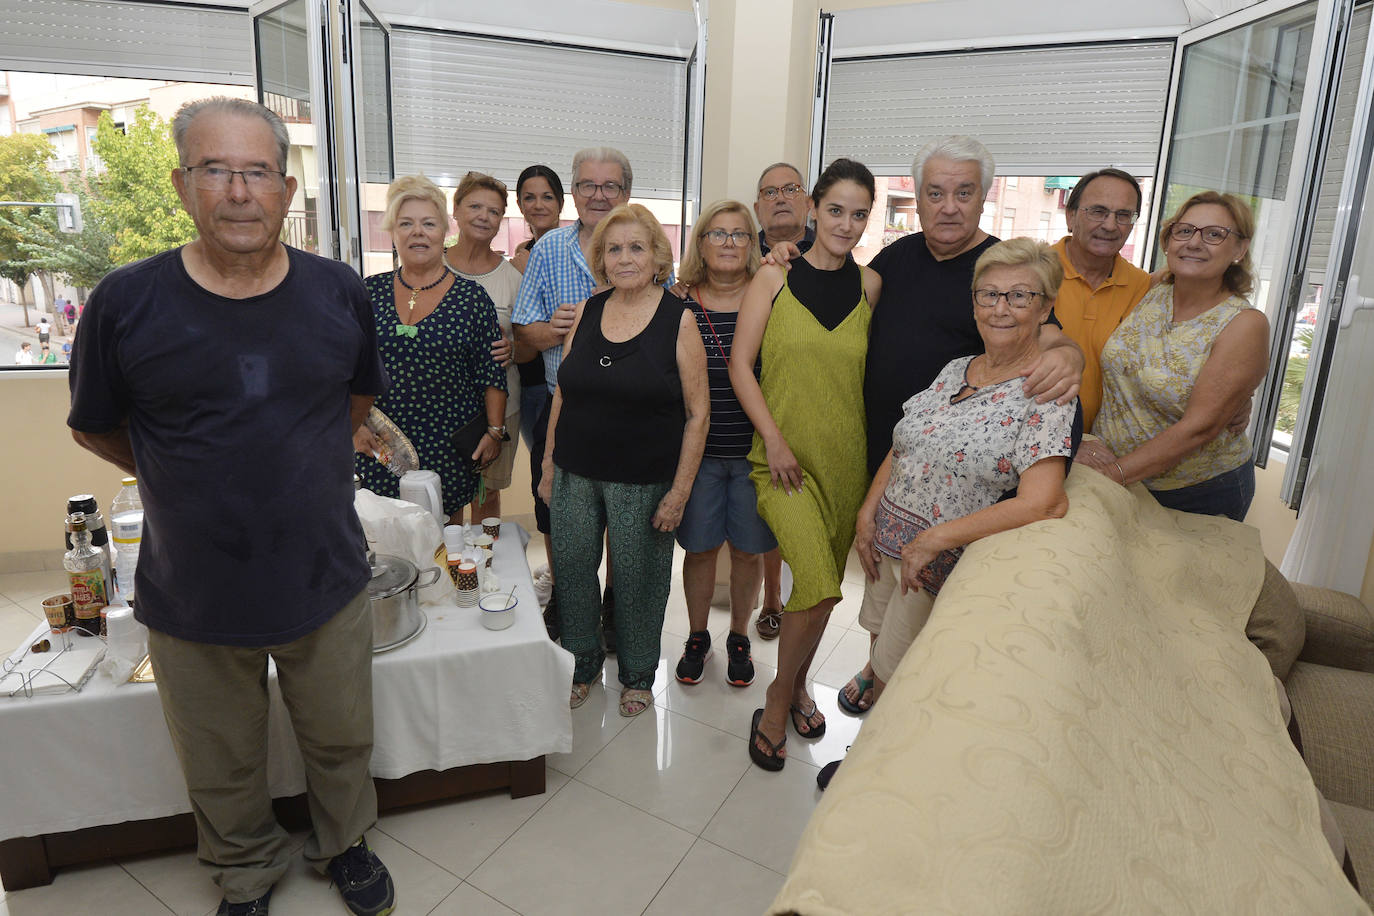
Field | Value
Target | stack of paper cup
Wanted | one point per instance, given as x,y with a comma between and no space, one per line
465,578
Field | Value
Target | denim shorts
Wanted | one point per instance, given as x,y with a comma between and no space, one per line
723,507
1227,494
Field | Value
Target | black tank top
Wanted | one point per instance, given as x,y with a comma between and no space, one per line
829,295
622,413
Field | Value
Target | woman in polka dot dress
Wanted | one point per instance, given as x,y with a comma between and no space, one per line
435,331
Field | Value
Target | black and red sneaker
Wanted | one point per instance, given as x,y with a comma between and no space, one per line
739,671
694,654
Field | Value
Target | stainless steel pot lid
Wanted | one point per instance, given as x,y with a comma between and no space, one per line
391,575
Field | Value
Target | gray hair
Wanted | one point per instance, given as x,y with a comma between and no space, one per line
801,179
222,104
604,154
956,148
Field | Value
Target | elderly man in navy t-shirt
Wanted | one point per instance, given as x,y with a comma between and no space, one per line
241,438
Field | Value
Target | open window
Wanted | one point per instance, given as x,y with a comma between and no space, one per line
1265,104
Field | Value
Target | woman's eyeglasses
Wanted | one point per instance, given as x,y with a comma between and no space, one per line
1211,235
717,237
1016,298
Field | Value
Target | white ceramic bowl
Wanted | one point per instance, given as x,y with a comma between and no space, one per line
498,610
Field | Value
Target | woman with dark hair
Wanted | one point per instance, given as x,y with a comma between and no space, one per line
1182,364
810,326
539,195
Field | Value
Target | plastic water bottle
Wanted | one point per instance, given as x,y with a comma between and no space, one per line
126,522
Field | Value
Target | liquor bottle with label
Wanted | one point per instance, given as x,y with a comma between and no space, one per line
88,570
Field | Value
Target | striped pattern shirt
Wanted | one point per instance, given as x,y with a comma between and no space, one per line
731,434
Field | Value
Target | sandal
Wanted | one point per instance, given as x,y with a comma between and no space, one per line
578,695
769,623
853,707
813,730
629,697
766,760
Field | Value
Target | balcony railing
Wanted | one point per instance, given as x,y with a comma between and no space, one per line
292,111
300,230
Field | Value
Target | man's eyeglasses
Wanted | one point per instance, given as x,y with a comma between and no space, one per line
717,237
1211,235
1100,214
214,178
790,191
1016,298
610,190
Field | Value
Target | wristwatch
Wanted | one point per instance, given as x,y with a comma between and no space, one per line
501,435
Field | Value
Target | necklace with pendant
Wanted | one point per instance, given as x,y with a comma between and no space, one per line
416,290
405,329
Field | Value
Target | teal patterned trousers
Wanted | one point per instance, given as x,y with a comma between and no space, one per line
581,512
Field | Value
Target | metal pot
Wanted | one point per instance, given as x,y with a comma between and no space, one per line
395,596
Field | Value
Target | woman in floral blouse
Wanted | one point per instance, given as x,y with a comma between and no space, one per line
971,456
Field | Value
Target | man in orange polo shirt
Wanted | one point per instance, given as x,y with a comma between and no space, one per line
1100,287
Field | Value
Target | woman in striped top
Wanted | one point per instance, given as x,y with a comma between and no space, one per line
723,258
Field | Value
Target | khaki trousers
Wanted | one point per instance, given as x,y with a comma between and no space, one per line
215,701
895,619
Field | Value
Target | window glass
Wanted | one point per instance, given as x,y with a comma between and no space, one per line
107,140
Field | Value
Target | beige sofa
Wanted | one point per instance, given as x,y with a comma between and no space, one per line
1085,725
1320,643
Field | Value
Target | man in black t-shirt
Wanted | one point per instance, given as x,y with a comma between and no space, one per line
924,317
242,443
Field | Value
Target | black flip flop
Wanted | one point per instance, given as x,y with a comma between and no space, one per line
851,707
771,761
812,731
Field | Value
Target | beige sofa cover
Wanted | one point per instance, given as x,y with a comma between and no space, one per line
1082,727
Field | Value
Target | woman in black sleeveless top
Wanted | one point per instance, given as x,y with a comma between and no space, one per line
626,432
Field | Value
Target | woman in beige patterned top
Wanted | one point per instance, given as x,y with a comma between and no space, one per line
1182,364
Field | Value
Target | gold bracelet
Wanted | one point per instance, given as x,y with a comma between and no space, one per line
1121,472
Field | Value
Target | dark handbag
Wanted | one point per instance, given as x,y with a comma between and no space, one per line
466,439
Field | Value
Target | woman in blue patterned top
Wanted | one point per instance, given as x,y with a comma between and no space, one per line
435,332
722,259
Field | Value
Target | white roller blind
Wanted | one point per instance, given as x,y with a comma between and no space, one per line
1060,110
461,102
142,40
1328,194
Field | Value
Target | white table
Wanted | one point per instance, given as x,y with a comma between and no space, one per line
458,696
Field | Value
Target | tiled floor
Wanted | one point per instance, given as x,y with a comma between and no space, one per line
661,814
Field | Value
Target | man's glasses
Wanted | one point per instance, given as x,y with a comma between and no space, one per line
587,189
214,178
717,237
1211,235
1100,214
1016,298
790,191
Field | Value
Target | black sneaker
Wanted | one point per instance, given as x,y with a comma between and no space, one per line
608,620
739,672
363,881
247,908
694,654
552,624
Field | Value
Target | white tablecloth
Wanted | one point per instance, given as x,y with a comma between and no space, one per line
459,694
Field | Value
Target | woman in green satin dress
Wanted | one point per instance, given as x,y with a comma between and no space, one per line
809,324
